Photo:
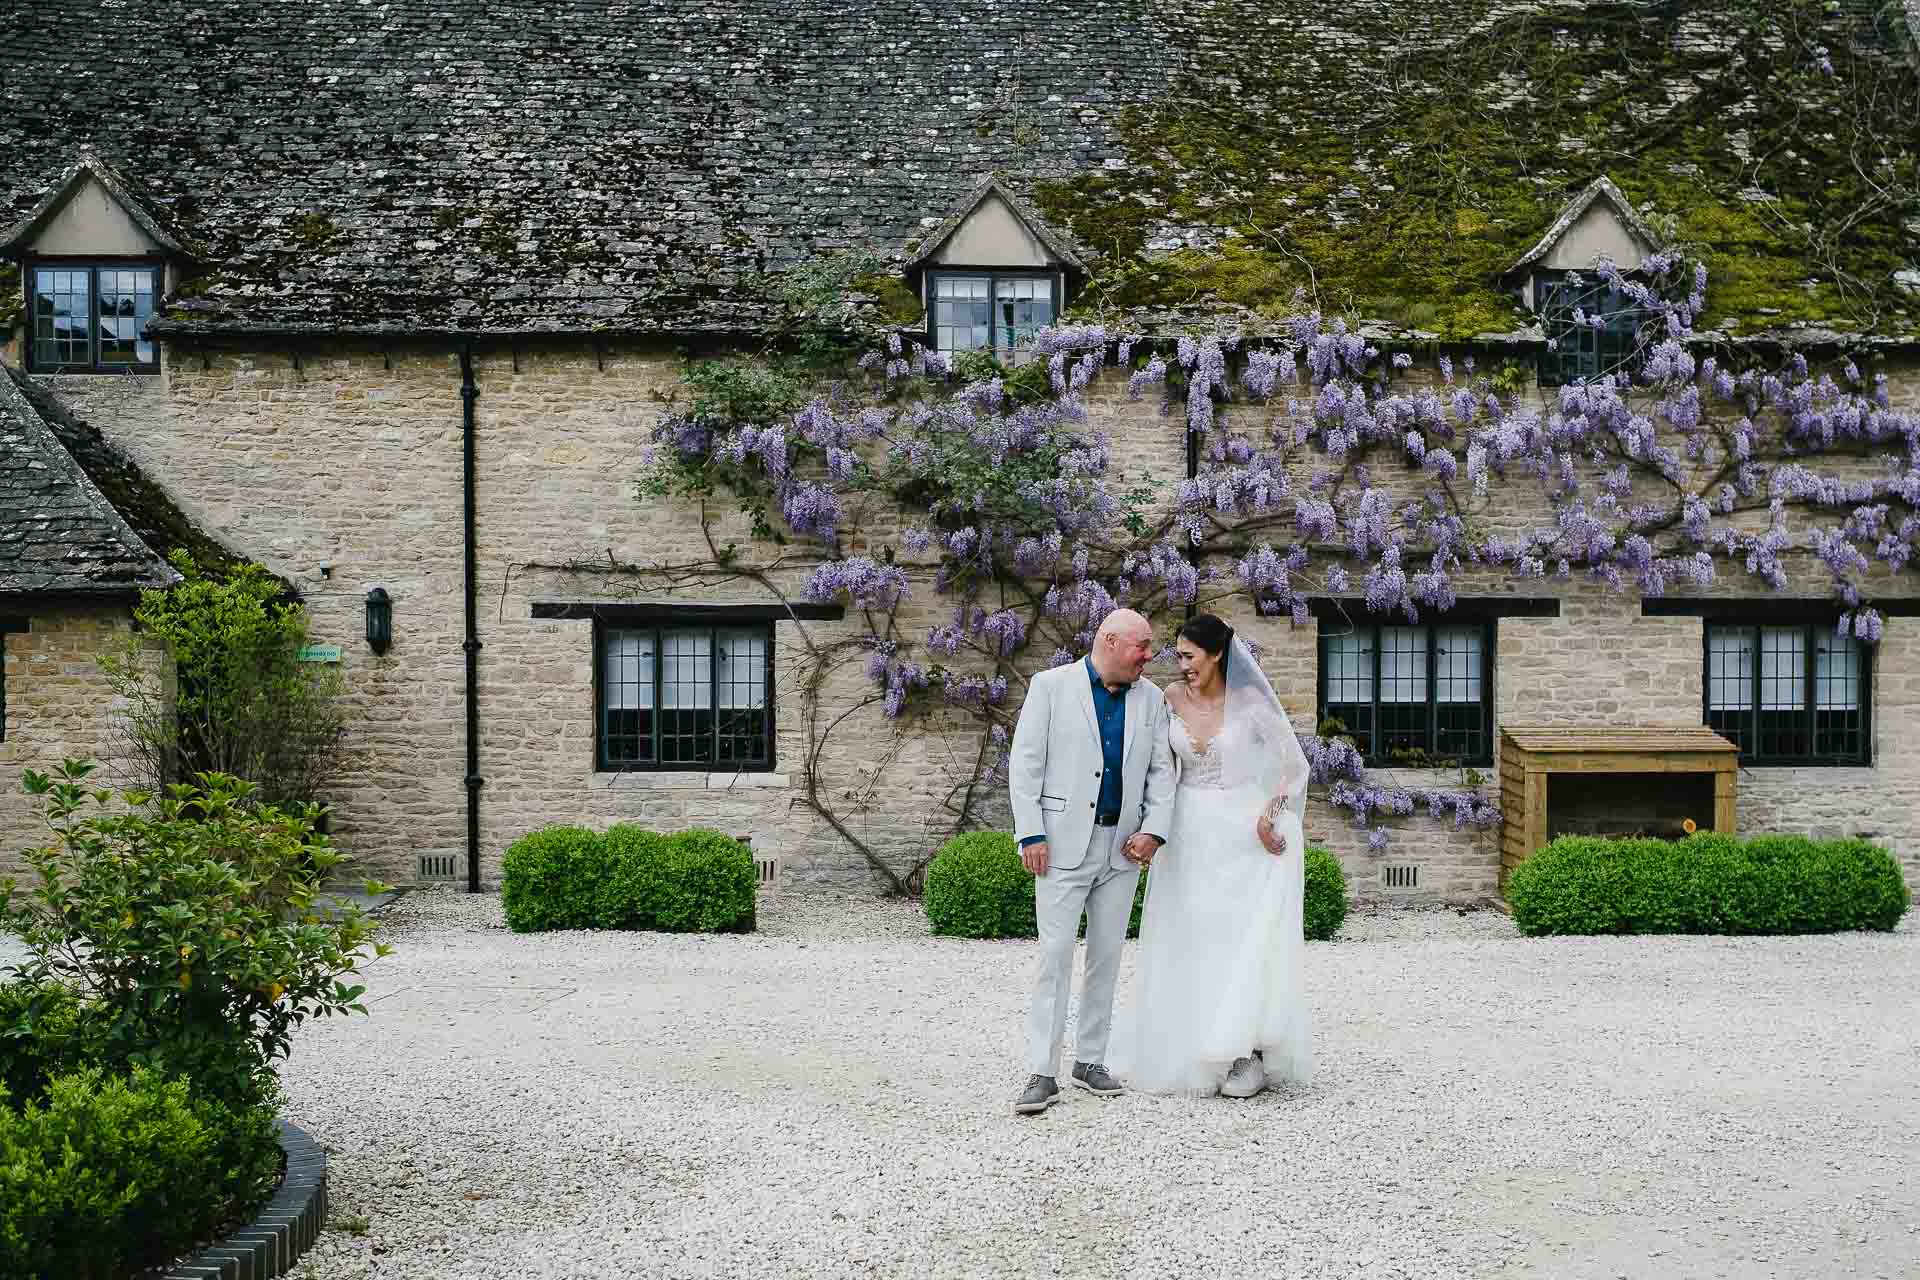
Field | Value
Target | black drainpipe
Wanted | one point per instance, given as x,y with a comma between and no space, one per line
1193,473
470,392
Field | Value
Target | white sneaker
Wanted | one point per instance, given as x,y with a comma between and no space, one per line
1248,1077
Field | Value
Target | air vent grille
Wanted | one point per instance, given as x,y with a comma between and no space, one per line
438,866
1401,877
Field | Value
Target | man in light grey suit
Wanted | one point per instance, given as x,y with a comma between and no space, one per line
1091,778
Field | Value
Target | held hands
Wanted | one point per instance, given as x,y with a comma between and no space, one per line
1140,847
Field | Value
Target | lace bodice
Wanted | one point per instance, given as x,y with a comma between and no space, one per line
1197,768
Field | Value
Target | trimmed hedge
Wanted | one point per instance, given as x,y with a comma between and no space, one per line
570,878
1707,883
105,1173
546,880
977,888
1325,908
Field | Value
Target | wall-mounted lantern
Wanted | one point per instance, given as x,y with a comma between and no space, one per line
379,620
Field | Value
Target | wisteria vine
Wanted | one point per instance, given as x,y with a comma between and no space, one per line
1663,473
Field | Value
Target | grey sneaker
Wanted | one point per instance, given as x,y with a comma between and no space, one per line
1041,1093
1248,1077
1096,1079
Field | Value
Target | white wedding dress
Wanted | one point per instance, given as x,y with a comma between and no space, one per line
1218,967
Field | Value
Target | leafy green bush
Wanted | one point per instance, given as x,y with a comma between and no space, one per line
638,868
189,927
709,887
42,1034
106,1173
1707,883
543,884
977,888
1325,908
569,878
227,691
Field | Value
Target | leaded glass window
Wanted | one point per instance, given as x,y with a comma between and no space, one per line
1410,695
1788,694
92,317
990,310
685,697
1569,303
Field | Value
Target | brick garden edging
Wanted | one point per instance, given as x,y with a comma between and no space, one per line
286,1226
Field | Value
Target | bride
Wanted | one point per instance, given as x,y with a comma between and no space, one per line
1219,999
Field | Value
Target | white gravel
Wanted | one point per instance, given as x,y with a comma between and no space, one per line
831,1097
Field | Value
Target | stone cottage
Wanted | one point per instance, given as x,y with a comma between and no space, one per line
394,299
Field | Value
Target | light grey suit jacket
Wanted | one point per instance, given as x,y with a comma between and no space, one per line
1053,774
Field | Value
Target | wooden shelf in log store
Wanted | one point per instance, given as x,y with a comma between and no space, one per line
1531,754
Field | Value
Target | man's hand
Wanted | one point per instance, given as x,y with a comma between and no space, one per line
1273,839
1141,847
1034,857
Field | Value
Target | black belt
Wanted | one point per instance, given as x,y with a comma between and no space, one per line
1106,819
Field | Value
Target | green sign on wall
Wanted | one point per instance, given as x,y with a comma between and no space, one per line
320,653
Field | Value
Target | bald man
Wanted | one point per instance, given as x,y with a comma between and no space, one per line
1091,778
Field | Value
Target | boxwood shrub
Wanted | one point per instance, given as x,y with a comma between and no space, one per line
103,1174
630,878
710,886
1707,883
1325,909
977,888
545,880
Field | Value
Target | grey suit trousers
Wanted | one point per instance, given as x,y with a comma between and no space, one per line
1105,893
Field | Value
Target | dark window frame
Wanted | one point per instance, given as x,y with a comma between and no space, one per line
8,626
1488,627
1596,352
92,265
603,762
1747,741
993,276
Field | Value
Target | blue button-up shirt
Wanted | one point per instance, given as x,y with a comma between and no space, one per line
1110,712
1110,709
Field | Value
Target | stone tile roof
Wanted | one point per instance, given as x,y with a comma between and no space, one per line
77,517
58,533
565,165
572,166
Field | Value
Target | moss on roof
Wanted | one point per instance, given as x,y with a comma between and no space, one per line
1402,185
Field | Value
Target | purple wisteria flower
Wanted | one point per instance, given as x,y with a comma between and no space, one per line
859,578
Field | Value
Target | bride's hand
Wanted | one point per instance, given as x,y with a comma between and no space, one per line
1274,840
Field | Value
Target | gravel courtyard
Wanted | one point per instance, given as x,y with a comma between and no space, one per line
831,1097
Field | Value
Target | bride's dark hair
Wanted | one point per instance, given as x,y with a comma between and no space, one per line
1211,634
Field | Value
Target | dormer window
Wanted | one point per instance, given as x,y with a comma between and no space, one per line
1590,328
88,317
996,311
991,274
96,253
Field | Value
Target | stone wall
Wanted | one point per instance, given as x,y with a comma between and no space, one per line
339,467
58,706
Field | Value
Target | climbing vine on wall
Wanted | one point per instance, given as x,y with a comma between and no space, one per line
1683,466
